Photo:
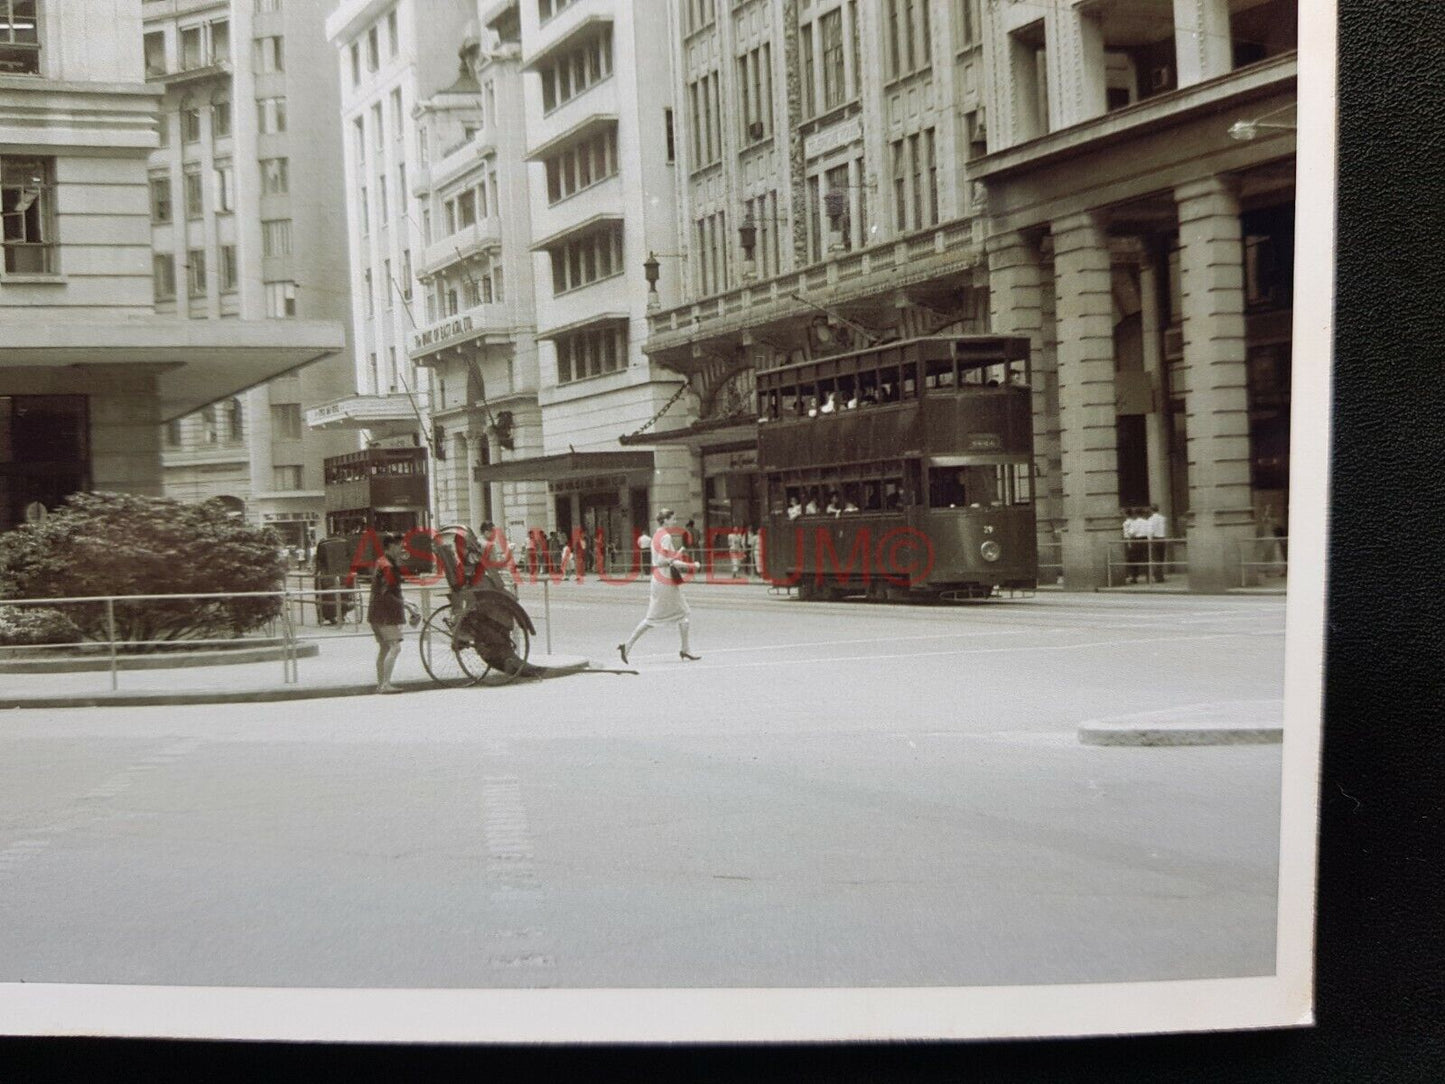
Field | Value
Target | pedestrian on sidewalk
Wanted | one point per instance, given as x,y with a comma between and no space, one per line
387,612
666,604
737,551
1156,530
1135,544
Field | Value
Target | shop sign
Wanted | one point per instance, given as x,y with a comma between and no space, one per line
714,463
441,334
580,485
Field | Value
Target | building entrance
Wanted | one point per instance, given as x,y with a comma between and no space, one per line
44,452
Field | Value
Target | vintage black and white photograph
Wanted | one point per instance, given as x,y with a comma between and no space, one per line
386,386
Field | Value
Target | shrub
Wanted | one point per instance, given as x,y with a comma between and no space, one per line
28,625
121,544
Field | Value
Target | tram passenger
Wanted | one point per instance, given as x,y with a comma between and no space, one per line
834,507
795,507
811,508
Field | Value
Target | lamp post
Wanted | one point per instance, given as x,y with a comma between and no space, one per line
652,271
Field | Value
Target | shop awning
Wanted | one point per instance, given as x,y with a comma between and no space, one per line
555,468
714,434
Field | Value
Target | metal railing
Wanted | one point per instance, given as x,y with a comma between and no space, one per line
1263,558
1154,560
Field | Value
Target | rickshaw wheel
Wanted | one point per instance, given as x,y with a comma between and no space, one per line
446,661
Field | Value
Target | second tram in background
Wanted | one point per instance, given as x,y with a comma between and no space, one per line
903,470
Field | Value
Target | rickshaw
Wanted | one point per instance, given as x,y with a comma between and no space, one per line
333,571
482,633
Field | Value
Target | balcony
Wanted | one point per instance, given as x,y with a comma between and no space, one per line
487,324
363,412
484,234
215,68
870,277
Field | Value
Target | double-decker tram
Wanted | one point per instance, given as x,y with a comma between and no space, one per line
901,471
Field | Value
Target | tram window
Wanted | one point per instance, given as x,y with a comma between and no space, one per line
888,385
939,373
1022,483
966,487
910,382
867,389
847,392
871,498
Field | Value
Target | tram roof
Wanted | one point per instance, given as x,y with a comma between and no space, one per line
971,351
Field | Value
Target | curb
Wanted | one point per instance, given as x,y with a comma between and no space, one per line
1180,735
557,669
180,660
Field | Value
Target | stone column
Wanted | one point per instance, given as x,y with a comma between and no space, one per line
1156,431
1016,307
1087,440
473,513
1211,273
1202,46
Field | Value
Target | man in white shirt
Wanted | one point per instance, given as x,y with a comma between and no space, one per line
1135,548
1156,530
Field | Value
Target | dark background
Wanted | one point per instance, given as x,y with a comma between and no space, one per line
1380,968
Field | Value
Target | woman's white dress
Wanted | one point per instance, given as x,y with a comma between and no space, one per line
665,603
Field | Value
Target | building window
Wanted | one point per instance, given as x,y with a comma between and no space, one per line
235,422
767,251
268,5
968,23
160,199
913,157
155,48
373,52
220,120
393,36
381,200
755,93
224,176
377,136
271,115
394,376
173,433
834,73
275,176
386,283
909,36
580,68
548,8
280,300
706,120
397,116
286,421
163,272
194,204
269,55
196,272
366,293
406,274
286,479
585,163
363,212
591,353
276,237
228,269
596,255
700,14
668,132
355,64
192,48
810,94
191,124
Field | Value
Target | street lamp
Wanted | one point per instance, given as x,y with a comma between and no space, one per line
1245,130
652,270
748,230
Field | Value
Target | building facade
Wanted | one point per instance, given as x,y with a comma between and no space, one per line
475,278
249,110
821,150
1147,249
856,173
89,374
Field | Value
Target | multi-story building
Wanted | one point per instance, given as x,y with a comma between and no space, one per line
821,149
249,111
1147,249
392,55
598,115
860,172
89,374
475,278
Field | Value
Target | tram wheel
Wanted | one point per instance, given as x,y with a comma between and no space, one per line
441,655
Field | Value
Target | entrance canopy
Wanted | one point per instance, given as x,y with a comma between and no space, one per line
556,468
196,362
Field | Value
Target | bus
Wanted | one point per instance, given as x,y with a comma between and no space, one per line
901,471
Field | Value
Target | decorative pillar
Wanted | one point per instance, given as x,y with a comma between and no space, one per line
1211,269
1087,424
1202,45
1076,69
1016,278
1156,433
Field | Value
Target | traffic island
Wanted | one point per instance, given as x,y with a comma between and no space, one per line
1231,722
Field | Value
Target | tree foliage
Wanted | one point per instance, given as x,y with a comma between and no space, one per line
121,544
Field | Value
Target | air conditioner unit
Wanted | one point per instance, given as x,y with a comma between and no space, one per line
1173,342
756,130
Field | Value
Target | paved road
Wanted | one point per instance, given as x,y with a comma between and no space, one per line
836,795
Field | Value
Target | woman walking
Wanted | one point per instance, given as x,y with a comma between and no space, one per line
665,605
